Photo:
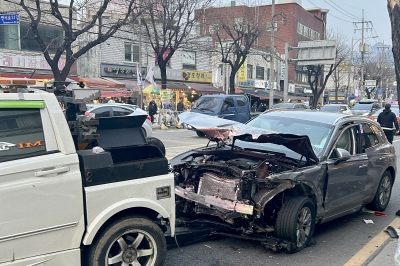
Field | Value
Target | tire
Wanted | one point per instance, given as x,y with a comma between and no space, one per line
296,222
122,242
383,193
200,134
156,142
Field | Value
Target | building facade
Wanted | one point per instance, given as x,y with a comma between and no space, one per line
293,24
20,54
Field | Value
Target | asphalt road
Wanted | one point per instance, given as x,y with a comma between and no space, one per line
336,241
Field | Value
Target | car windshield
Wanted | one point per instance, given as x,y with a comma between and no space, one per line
330,108
208,103
318,133
363,106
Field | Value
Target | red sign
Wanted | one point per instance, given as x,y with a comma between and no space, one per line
166,53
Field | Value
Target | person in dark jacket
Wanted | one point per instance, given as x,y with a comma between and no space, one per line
386,119
181,106
152,110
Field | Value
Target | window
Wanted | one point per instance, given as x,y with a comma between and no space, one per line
229,101
259,72
9,37
131,53
119,111
307,32
249,71
52,36
213,29
344,142
101,112
21,134
188,60
241,101
368,138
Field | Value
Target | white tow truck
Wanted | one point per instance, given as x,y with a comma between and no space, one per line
60,205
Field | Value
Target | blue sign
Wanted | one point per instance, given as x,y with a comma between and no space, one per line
9,19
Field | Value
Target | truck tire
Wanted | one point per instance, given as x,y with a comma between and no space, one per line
383,192
200,134
129,241
156,142
296,222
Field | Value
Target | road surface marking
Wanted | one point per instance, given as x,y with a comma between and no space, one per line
375,243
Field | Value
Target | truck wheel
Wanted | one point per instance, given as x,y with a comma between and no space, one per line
382,195
156,142
296,222
200,134
133,241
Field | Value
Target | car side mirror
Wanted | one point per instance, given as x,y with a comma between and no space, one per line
342,155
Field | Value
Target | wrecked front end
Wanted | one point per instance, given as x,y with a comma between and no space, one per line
237,191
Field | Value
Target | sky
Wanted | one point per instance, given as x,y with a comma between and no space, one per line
342,14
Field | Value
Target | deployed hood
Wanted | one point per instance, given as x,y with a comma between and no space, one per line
218,129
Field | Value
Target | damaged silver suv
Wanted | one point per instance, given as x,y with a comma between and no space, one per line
282,173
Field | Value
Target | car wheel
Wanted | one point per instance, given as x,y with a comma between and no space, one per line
135,241
200,134
383,193
296,222
156,142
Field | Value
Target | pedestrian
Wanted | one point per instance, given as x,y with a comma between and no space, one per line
111,100
386,119
180,107
129,101
152,110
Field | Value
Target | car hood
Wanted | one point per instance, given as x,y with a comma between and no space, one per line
227,131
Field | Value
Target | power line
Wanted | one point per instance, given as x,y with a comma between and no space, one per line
354,16
331,14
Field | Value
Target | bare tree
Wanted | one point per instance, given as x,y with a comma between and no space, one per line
234,36
169,26
41,13
317,76
394,14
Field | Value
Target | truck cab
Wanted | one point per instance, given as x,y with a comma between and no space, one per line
63,206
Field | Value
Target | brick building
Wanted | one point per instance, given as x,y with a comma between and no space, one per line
293,22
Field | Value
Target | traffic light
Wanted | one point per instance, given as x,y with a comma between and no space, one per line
81,84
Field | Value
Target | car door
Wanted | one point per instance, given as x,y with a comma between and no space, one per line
41,188
379,155
228,110
243,110
345,180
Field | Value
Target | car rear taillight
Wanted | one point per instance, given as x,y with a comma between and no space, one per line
148,118
398,119
87,113
372,117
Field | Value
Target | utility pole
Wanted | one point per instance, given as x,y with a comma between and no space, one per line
272,76
349,69
140,64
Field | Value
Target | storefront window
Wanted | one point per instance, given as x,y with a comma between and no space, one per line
259,72
9,37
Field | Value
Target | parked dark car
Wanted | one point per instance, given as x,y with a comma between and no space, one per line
365,107
282,173
290,106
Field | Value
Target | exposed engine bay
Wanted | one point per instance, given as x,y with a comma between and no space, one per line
236,187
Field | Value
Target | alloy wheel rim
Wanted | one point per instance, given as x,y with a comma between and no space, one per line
303,226
132,248
384,191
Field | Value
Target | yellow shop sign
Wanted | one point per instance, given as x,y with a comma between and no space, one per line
242,73
193,75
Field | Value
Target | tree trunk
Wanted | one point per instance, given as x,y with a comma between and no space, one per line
394,14
232,82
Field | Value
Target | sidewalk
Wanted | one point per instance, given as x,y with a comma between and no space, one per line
385,255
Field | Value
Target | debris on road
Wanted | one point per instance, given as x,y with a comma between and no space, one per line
377,213
392,232
368,221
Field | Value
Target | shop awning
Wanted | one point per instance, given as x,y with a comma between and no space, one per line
204,88
177,86
115,93
130,84
100,83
